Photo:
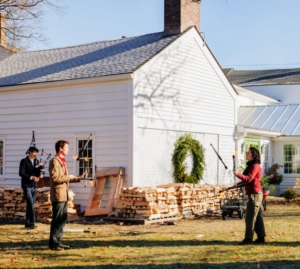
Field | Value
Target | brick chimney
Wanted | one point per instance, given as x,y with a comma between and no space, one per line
2,32
180,15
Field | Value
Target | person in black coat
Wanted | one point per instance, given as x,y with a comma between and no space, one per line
29,179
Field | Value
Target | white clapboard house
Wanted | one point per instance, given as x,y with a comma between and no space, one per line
275,128
135,95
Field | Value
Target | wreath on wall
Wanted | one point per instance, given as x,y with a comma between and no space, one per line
183,145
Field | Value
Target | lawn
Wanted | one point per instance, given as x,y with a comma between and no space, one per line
208,242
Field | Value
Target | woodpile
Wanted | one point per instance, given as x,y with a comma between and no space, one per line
170,200
297,183
43,205
146,203
13,204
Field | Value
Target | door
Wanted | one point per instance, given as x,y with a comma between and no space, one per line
251,143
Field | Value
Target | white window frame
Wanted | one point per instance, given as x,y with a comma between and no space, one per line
3,158
84,136
266,153
298,147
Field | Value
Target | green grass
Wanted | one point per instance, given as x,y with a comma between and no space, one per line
190,244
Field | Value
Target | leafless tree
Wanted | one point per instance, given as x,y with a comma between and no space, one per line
21,21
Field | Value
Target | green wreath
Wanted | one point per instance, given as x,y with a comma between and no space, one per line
182,146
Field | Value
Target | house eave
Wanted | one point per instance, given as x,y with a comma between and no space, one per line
287,138
259,97
61,83
243,131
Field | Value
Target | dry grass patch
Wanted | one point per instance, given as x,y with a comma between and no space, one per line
190,244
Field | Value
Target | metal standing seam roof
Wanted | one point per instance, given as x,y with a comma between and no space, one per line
96,59
278,118
263,77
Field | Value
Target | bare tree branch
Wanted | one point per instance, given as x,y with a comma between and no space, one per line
21,21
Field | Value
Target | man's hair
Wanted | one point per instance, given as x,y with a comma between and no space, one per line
255,154
32,149
60,144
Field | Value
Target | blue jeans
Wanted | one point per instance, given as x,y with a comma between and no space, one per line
30,197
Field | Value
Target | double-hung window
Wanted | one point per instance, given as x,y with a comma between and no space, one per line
85,161
266,159
292,159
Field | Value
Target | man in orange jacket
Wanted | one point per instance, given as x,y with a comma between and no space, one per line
59,185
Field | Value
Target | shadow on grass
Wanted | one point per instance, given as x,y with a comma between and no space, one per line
284,264
281,214
266,214
97,242
39,248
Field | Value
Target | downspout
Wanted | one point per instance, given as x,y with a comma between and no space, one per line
241,133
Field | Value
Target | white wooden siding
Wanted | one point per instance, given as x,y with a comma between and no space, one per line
66,113
278,157
287,94
212,165
155,156
182,90
185,87
226,151
246,101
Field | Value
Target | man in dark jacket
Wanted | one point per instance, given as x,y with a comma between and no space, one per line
29,180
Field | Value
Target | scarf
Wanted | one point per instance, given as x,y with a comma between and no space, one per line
249,164
63,160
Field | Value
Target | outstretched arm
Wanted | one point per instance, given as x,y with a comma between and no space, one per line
253,170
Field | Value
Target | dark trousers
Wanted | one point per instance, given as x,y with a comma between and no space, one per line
59,218
30,197
254,219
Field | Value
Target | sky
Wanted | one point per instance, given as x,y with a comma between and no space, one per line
242,34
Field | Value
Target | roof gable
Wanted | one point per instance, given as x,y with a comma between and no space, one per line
85,61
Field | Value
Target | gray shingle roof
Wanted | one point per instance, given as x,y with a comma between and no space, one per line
263,77
85,61
227,70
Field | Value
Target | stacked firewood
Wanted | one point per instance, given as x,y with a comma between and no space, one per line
169,200
71,209
43,205
146,203
136,202
297,183
13,204
195,198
